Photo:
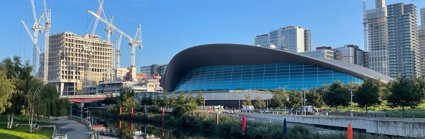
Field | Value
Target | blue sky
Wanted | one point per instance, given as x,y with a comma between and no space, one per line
169,26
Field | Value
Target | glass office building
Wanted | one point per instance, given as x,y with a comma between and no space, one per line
240,67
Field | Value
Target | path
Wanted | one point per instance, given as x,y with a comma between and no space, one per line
73,129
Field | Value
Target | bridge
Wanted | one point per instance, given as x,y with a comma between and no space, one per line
83,98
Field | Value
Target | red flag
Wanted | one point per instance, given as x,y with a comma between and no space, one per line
131,125
163,113
131,112
163,133
120,111
243,125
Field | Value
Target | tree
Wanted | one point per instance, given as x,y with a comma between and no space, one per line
150,99
20,75
247,100
200,99
368,94
314,97
406,93
180,99
33,101
166,101
129,103
6,90
259,103
172,100
337,95
279,99
294,99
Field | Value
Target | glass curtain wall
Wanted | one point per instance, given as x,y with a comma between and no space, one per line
287,76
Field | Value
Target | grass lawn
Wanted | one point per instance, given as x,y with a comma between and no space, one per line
22,132
17,134
418,112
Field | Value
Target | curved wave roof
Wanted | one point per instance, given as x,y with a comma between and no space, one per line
237,54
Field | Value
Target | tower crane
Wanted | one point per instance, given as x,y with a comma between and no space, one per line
47,26
133,41
36,28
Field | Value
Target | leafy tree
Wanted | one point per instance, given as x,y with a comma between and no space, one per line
294,99
406,93
259,103
200,99
172,100
247,100
337,95
279,99
166,101
158,100
314,97
129,103
180,99
368,94
20,75
6,91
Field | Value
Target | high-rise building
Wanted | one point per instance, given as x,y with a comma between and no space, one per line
422,43
292,38
377,37
403,43
69,56
423,20
352,54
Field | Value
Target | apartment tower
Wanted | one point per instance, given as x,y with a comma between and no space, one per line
403,42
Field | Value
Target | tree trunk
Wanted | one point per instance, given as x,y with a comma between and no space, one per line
11,121
8,121
367,115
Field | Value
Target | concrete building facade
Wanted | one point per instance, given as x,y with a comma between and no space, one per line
69,58
403,42
377,37
352,54
153,69
292,38
324,52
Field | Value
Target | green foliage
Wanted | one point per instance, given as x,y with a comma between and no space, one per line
279,99
294,99
129,103
200,99
20,76
368,94
180,99
172,100
406,93
184,105
259,103
314,97
247,100
6,91
299,132
337,95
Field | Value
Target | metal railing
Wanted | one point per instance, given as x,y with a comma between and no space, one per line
82,120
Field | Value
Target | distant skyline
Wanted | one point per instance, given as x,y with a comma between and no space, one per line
171,26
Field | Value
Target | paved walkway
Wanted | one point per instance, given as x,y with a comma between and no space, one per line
73,129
